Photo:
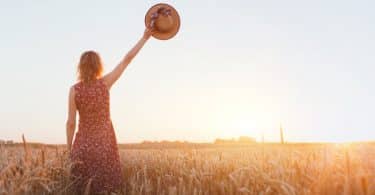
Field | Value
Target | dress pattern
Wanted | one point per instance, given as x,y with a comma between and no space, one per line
94,152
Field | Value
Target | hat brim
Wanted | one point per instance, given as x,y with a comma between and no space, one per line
176,19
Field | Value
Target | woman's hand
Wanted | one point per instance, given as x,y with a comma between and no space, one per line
68,152
148,33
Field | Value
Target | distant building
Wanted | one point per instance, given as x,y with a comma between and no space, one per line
2,141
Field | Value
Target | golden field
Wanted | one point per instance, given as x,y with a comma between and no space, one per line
209,169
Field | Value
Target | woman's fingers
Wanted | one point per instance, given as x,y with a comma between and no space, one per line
149,31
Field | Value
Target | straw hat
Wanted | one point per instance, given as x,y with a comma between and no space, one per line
164,19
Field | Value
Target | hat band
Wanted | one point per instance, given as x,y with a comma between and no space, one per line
161,11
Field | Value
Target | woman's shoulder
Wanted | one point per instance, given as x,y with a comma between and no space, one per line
76,86
102,81
72,90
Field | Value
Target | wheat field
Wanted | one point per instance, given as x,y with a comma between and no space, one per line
254,169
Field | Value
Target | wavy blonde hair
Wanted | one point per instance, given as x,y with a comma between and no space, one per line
90,66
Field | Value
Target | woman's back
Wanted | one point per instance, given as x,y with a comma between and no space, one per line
95,150
92,101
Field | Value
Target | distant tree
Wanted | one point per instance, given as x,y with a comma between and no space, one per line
218,141
246,139
224,141
241,139
9,142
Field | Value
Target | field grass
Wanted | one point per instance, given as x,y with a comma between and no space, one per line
253,169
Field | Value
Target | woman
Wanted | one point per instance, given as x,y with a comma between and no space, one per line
94,153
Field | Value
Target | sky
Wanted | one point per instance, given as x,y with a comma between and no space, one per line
234,68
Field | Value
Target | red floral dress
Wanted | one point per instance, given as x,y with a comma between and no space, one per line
94,152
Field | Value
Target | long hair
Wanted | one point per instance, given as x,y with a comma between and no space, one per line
90,67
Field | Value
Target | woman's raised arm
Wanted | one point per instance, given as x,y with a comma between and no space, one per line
110,78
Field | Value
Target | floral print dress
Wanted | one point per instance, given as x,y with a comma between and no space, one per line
94,152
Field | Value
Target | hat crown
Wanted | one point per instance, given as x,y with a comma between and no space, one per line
164,19
164,23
